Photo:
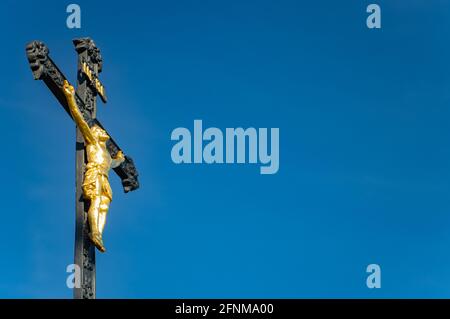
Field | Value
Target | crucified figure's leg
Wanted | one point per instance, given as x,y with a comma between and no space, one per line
93,214
93,217
104,206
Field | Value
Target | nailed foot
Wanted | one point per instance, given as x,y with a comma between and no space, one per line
98,242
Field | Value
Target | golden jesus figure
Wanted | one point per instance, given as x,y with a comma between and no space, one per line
96,186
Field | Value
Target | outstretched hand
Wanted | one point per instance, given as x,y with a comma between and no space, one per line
120,156
68,89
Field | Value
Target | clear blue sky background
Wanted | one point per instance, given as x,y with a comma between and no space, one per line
364,149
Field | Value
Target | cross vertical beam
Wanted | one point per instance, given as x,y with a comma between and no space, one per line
88,55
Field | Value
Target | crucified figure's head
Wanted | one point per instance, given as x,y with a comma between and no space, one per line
99,133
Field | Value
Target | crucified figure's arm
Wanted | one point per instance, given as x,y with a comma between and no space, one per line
69,92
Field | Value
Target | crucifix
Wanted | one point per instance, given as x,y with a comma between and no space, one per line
96,151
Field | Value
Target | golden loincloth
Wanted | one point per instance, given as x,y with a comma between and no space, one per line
96,182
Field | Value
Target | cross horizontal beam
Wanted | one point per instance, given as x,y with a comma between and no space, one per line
45,69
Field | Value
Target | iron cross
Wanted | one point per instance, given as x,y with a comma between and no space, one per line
83,100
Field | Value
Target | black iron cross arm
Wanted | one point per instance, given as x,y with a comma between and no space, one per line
45,69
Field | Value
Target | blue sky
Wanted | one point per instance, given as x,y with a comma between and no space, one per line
364,149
